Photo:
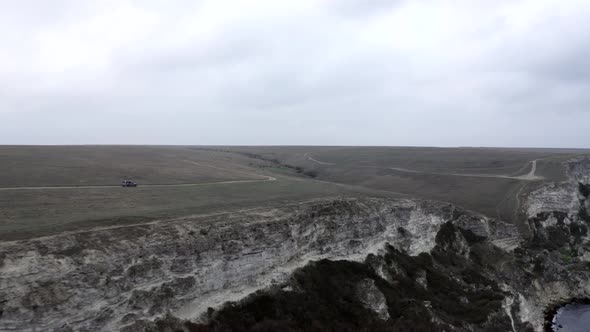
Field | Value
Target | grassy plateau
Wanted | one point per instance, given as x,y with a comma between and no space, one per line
45,190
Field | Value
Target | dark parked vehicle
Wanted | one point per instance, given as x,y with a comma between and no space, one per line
127,183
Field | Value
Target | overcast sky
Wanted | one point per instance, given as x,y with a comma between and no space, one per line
335,72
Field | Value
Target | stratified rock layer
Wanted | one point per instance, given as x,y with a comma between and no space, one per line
104,279
137,277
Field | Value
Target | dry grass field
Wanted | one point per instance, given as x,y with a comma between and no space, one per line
107,165
486,180
50,189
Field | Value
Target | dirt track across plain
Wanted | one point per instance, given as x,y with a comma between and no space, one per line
527,177
315,160
265,179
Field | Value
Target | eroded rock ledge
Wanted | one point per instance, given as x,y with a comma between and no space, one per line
108,278
406,260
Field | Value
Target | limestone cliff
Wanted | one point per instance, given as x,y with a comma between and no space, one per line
434,256
105,279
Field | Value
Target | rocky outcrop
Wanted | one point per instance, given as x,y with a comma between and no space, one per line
372,298
106,279
558,254
456,286
383,262
477,276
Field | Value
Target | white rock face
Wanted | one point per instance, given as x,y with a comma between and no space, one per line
538,298
577,169
556,208
563,196
372,298
105,279
553,197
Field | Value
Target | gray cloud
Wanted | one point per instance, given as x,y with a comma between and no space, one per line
411,72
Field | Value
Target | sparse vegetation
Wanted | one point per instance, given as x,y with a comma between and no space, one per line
567,256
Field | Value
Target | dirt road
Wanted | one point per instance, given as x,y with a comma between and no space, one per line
315,160
530,176
265,178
